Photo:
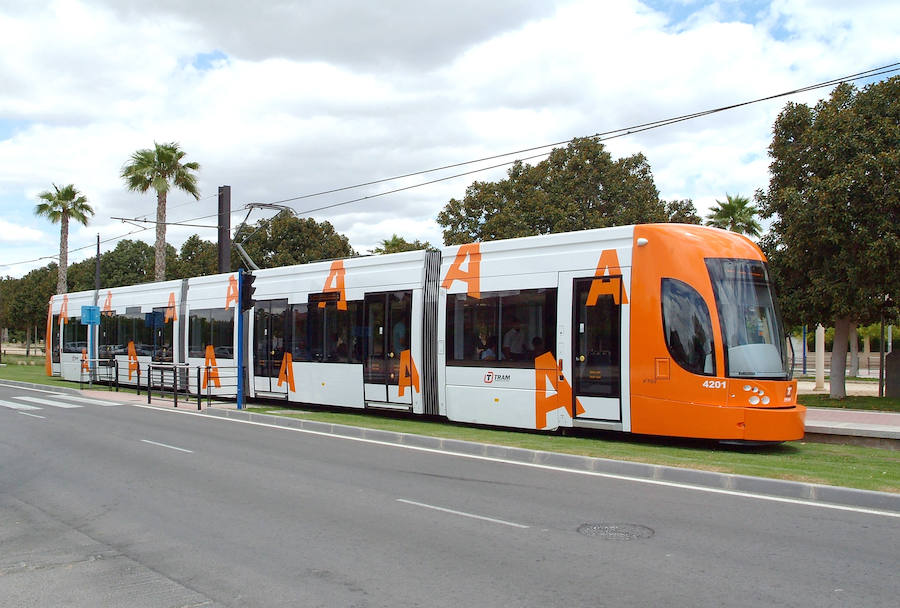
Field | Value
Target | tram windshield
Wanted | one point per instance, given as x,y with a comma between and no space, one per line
753,334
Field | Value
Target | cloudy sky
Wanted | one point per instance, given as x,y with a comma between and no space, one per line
281,98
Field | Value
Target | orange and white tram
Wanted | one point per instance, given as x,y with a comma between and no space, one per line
661,329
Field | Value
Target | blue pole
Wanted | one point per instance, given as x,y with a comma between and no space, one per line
240,342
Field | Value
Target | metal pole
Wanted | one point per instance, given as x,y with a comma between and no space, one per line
175,385
881,359
224,228
97,266
240,344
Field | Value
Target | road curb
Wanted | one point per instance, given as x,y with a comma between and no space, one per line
44,387
882,501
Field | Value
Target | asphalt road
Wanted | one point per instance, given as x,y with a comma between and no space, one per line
131,506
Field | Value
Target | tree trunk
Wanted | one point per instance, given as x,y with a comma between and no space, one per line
61,276
159,270
820,357
854,351
839,358
27,342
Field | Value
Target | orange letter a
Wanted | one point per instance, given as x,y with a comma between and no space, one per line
286,373
472,275
231,295
604,284
335,283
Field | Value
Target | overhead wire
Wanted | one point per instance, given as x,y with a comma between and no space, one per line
600,136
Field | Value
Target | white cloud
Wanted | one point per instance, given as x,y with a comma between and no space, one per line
301,97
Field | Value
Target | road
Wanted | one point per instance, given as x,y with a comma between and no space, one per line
126,505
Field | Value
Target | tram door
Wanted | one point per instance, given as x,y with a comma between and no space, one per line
268,343
388,318
597,348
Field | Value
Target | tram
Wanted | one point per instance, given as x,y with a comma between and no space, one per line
658,329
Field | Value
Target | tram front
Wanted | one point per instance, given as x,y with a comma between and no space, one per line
719,366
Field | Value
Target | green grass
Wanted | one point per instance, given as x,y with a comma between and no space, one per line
30,369
852,402
831,464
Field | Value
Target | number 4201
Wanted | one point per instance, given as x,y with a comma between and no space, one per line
714,384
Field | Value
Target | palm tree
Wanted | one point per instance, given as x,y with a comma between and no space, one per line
59,206
160,169
737,214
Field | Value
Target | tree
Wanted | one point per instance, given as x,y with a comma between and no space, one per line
284,240
737,214
834,194
161,168
574,188
28,300
59,206
396,244
682,212
197,258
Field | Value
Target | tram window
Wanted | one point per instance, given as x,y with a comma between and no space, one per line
332,335
300,342
222,327
55,335
133,328
211,326
161,334
74,335
750,320
500,329
687,327
109,344
198,333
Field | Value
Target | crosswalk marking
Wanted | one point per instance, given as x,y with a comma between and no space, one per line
47,402
18,406
86,400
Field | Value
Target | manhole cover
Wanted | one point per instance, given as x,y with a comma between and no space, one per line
616,531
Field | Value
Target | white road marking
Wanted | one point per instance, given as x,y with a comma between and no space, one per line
462,513
164,445
656,482
18,406
47,402
86,400
33,415
28,388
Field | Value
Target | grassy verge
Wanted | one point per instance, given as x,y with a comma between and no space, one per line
30,369
852,402
842,465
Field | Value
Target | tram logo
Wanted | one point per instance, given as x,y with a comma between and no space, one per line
491,377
